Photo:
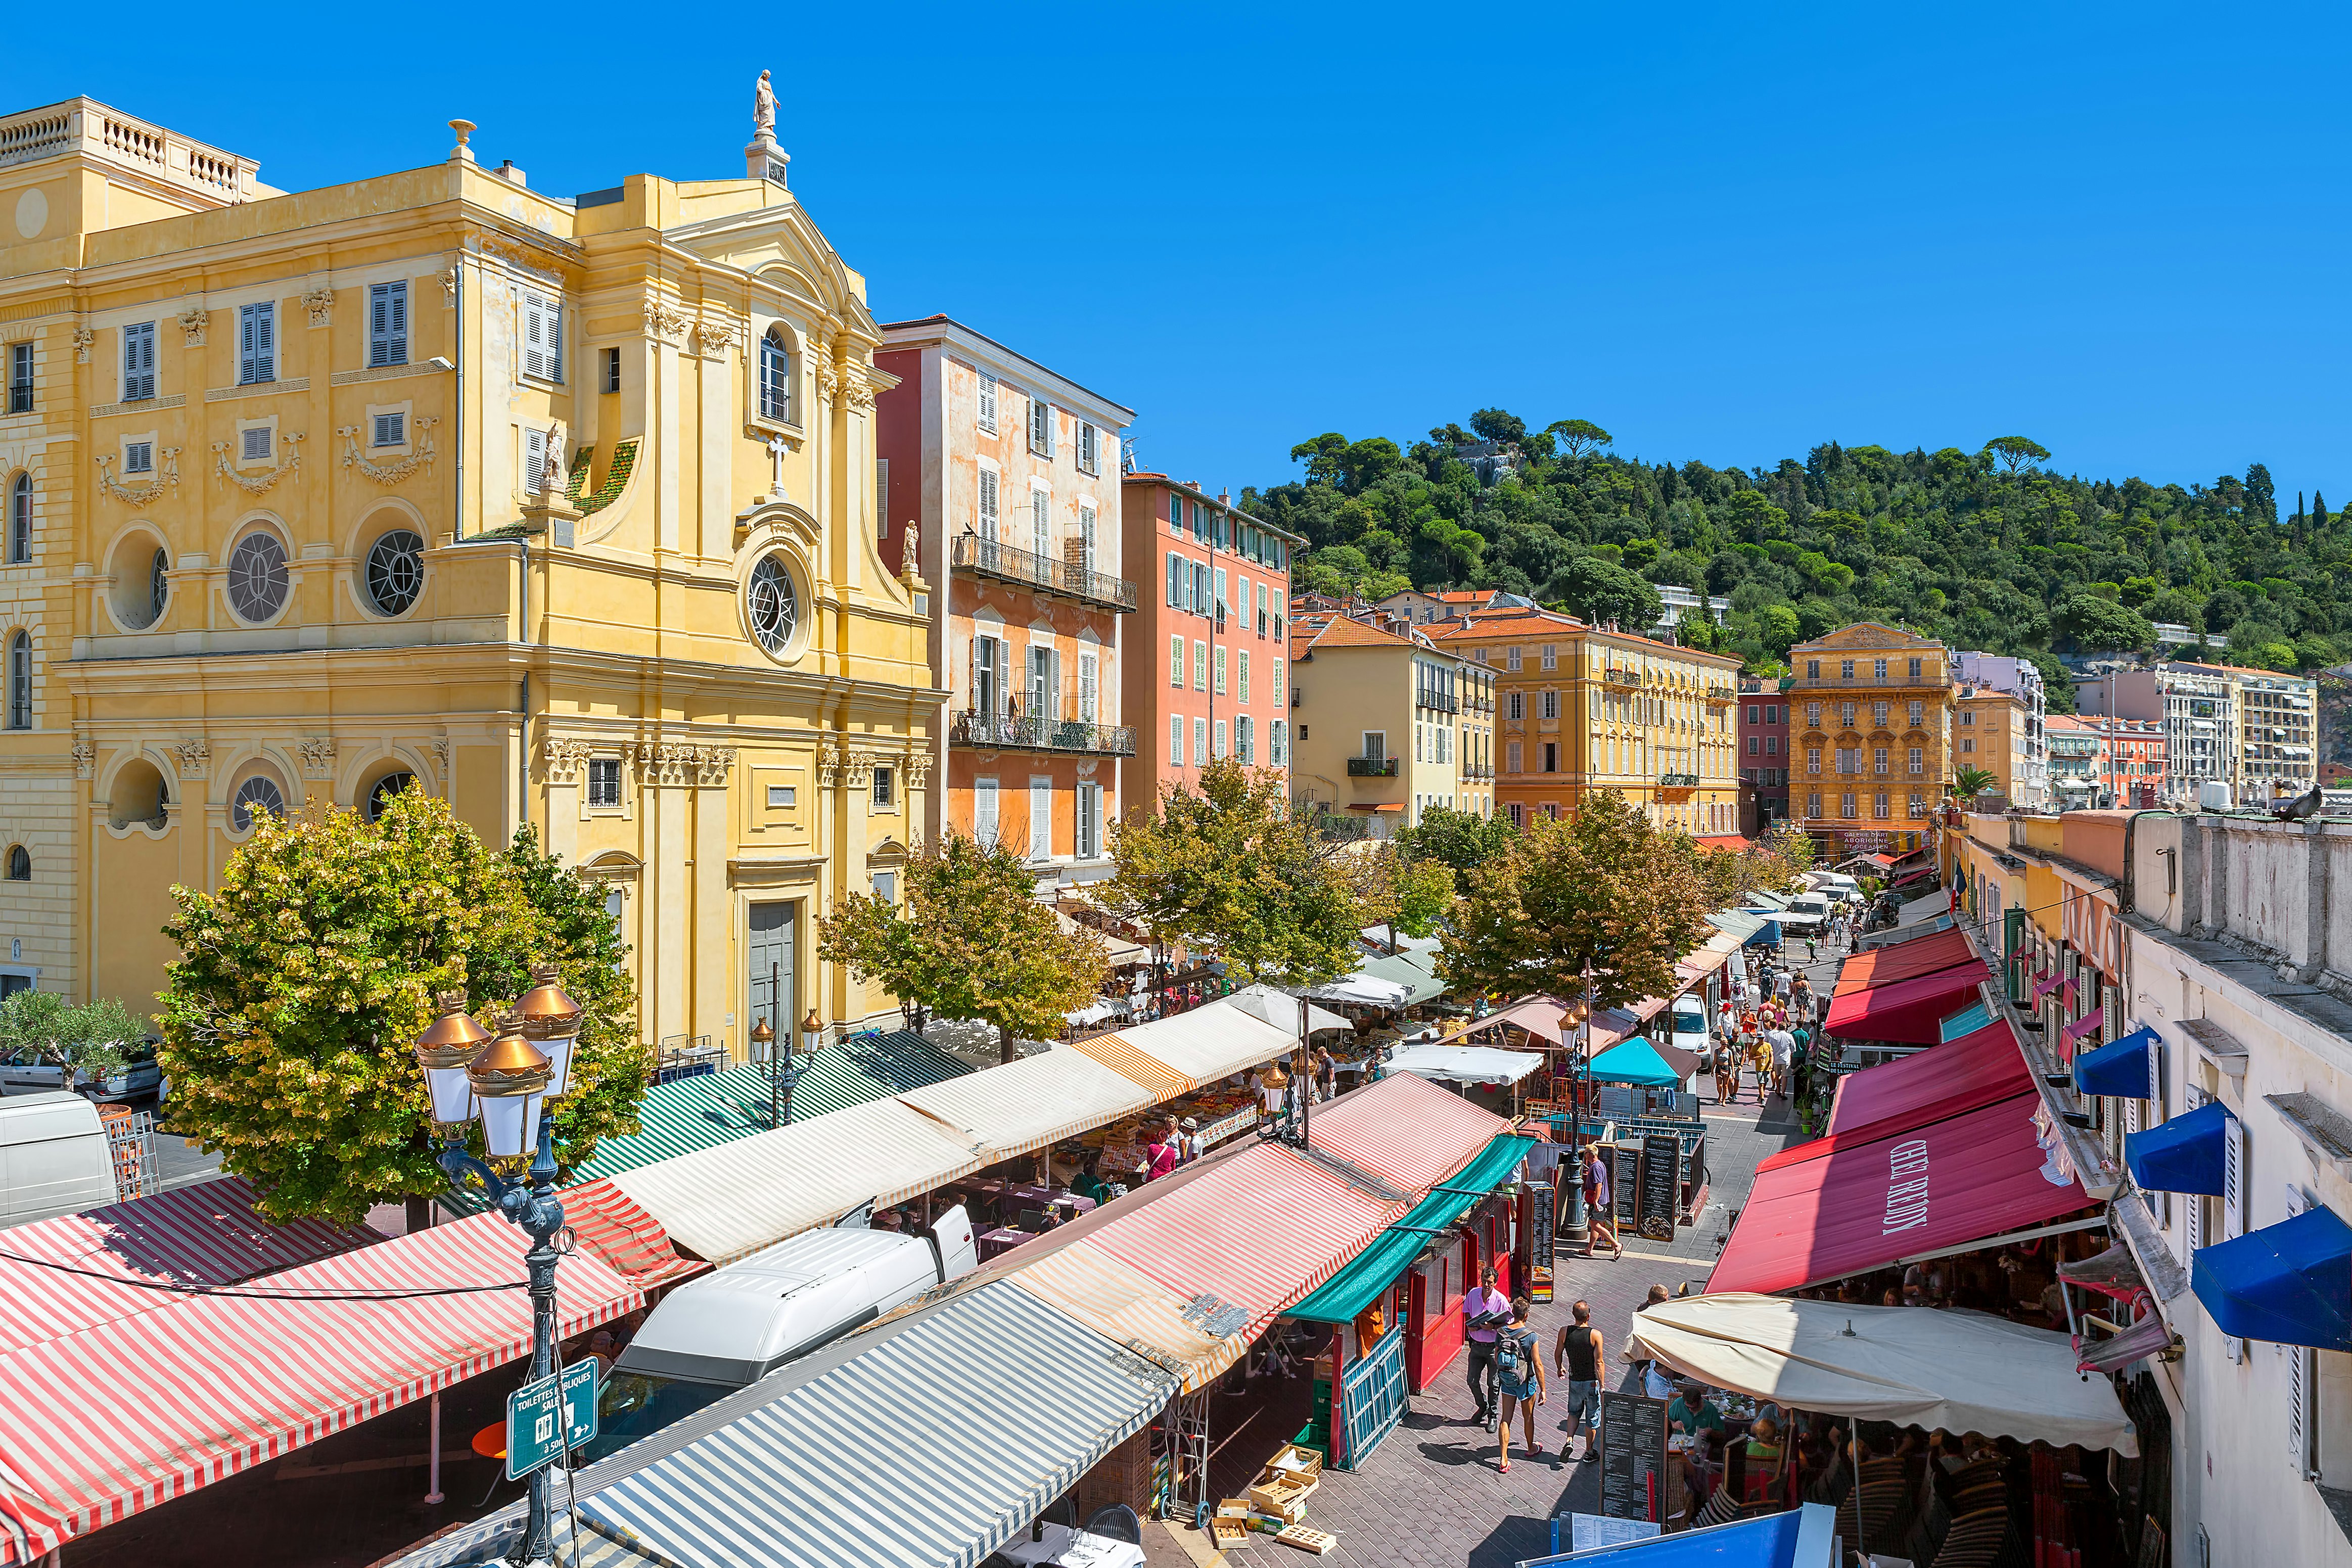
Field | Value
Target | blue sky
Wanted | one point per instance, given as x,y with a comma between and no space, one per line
1727,232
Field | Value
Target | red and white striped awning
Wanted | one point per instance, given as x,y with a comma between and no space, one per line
1405,1130
98,1424
206,1233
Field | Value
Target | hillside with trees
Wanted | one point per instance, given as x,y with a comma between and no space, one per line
1987,549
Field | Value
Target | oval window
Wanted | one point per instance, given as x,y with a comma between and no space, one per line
257,796
257,580
774,608
395,571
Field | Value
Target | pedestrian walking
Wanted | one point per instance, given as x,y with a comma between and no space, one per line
1577,1355
1327,1074
1519,1371
1812,951
1596,1204
1484,1313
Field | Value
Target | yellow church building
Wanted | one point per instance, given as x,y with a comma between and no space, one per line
562,509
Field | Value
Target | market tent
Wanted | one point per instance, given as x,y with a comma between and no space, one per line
1385,937
1347,1295
1209,1242
2289,1283
1416,972
207,1233
1280,1009
1903,933
1465,1064
1959,1026
1545,1018
1905,1010
1961,1371
630,1241
940,1436
98,1424
1803,1537
710,1109
1030,1104
1405,1130
750,1192
1125,1306
1635,1062
1894,1190
1229,1035
1362,989
1883,965
1983,1067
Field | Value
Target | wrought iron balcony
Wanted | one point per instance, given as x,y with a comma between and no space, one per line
1371,767
1478,771
1677,781
1037,732
1620,677
992,559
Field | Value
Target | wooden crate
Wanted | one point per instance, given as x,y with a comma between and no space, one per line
1307,1537
1227,1531
1294,1460
1284,1498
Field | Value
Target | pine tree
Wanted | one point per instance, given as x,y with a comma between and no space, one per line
2318,510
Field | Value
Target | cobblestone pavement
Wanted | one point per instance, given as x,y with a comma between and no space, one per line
1431,1495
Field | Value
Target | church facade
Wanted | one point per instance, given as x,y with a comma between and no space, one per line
562,509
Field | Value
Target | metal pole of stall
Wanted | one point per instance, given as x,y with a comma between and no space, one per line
433,1459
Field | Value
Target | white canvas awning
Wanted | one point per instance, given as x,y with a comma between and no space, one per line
1914,1366
1017,1107
1368,990
1465,1064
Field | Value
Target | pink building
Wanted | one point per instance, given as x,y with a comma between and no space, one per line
1206,672
1011,473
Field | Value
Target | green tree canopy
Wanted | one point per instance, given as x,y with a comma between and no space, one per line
2095,624
971,941
1463,840
2013,452
289,1018
1233,868
1604,889
1576,437
1605,594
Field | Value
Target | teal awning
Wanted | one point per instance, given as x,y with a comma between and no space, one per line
1635,1062
1343,1298
1965,1022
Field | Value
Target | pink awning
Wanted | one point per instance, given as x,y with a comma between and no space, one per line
1870,1202
2081,1027
1975,1069
2042,987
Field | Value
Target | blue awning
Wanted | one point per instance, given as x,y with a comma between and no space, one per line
1964,1023
2126,1070
2184,1154
1801,1539
2290,1283
1635,1062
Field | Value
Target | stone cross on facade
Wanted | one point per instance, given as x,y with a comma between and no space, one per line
777,447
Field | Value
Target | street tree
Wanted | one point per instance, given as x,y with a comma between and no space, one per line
92,1041
1461,840
289,1019
971,941
2013,452
1604,892
1398,891
1231,867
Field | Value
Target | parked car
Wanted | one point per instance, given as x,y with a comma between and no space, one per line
1690,1030
54,1157
140,1078
734,1326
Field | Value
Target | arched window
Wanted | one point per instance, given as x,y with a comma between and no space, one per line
20,863
20,520
20,681
775,377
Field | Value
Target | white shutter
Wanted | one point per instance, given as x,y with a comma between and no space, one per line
534,458
988,504
2301,1383
553,312
1175,573
1041,818
1041,525
987,404
1175,740
542,337
1088,667
1087,537
983,810
2233,1179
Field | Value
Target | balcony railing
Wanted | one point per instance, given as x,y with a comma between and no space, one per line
1430,697
1677,781
992,559
1478,771
1620,677
1371,767
1036,733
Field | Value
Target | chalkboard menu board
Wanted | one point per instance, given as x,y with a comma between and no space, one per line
1633,1455
1539,1224
1661,1188
1624,1184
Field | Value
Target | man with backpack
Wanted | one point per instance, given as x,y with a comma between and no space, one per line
1518,1365
1578,1357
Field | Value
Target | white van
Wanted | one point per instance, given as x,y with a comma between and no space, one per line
1690,1027
1837,885
1806,914
735,1325
54,1157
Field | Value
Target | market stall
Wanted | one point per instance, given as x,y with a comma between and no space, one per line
1639,1078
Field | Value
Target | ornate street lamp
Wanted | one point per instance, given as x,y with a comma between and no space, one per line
504,1083
1282,1100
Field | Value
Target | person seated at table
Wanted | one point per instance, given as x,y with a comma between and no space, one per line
1692,1412
1764,1442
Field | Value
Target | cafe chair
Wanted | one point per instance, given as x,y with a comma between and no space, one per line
1036,1220
1975,1541
1117,1522
1720,1508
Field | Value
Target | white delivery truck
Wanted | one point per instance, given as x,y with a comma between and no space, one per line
1806,914
1690,1030
735,1325
54,1157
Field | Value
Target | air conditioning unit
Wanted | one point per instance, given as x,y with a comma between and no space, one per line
2213,794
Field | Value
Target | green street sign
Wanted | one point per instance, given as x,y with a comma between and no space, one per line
533,1440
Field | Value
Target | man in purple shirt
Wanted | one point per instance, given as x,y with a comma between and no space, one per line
1484,1313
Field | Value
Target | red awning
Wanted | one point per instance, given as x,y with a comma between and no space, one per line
1872,1201
1404,1130
1975,1069
1732,841
1908,1009
98,1424
205,1234
1904,961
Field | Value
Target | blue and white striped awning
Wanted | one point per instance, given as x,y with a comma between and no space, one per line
928,1450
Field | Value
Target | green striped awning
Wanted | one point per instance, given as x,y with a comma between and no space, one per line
1343,1298
717,1108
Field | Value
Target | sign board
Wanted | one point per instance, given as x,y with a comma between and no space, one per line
1633,1455
1661,1189
1625,1182
532,1440
1541,1244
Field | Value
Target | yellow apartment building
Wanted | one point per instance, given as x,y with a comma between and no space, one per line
1989,731
1535,728
1659,728
1869,737
1386,723
559,508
